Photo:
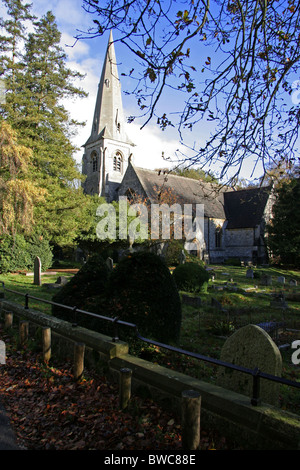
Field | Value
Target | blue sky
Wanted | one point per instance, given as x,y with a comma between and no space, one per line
86,56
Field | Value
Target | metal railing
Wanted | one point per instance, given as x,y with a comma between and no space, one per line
256,373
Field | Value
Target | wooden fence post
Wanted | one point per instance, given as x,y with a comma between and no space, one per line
125,387
79,349
8,321
23,332
190,419
46,337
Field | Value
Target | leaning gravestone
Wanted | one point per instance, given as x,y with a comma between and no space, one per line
251,347
37,280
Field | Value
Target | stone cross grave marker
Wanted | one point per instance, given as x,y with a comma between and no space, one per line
251,347
37,272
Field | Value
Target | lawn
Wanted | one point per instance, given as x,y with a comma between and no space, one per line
205,328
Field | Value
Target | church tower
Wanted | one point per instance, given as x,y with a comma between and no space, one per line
108,149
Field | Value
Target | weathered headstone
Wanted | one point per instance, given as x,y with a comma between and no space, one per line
293,283
278,301
281,279
251,347
266,280
110,263
249,274
37,279
62,280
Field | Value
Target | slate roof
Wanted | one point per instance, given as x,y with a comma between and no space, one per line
241,208
186,190
245,208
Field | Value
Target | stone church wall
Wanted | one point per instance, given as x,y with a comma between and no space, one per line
240,243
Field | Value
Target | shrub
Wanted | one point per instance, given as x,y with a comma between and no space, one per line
38,246
173,252
191,277
143,292
86,291
13,254
232,262
18,254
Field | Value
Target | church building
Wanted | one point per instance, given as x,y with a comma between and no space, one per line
234,220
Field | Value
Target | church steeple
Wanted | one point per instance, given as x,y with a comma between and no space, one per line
108,148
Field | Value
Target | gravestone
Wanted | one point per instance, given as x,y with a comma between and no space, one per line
37,280
281,279
62,280
251,347
278,301
266,280
293,283
110,263
249,274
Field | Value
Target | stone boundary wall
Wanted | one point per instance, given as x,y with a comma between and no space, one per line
255,428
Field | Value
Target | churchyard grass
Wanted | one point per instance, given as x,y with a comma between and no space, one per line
24,284
205,328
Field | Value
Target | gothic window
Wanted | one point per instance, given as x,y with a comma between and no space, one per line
94,161
117,164
106,81
218,237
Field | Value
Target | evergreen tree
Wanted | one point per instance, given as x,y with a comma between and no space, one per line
14,33
37,82
284,229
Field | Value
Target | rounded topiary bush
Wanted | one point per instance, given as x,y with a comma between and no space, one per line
86,291
191,277
143,292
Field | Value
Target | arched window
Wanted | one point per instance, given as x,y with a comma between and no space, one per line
117,164
94,158
218,237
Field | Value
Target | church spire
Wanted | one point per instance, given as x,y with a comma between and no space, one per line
108,118
108,148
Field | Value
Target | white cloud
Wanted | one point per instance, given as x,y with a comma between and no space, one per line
74,49
150,144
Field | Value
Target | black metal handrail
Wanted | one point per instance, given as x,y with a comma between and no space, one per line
255,373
